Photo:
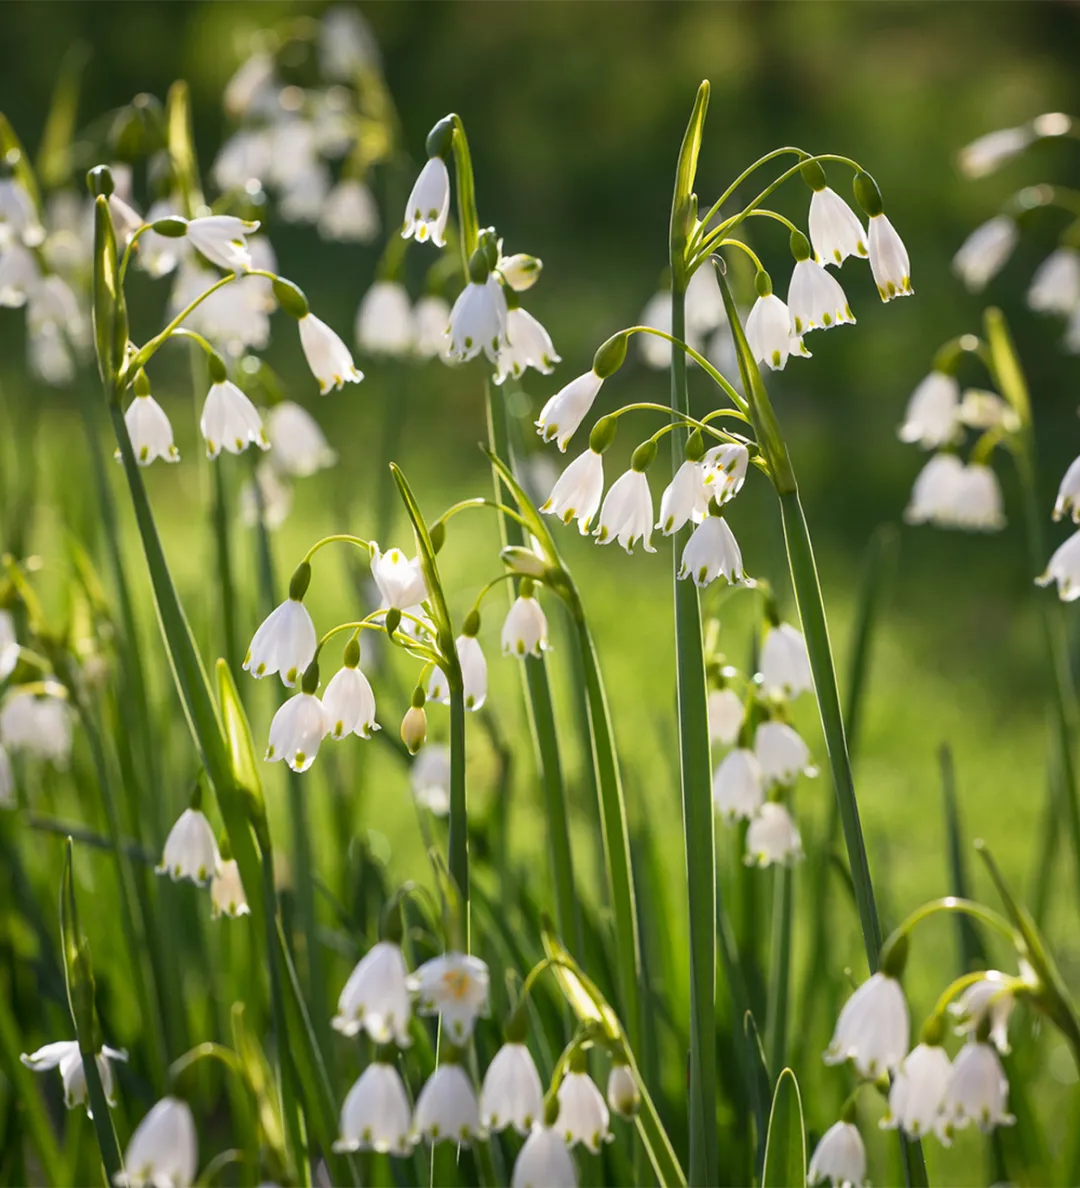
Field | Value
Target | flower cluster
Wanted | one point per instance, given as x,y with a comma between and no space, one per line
191,852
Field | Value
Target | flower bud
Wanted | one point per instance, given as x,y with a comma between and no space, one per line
438,535
867,194
622,1091
393,620
299,582
471,626
521,271
695,447
642,457
523,561
99,181
351,658
310,681
172,227
800,246
763,283
611,355
414,728
894,958
440,139
603,434
218,372
291,298
813,175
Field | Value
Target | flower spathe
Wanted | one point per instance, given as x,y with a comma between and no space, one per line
428,206
577,491
785,663
815,299
1055,287
983,254
384,321
455,986
626,514
737,787
773,837
284,643
220,238
348,704
726,715
66,1056
230,421
447,1109
583,1114
873,1028
528,344
978,1090
1064,568
889,261
991,997
164,1150
150,431
933,411
525,630
685,498
563,413
544,1161
227,896
190,849
711,552
511,1094
478,321
299,726
835,230
376,997
839,1158
917,1096
399,579
329,358
376,1114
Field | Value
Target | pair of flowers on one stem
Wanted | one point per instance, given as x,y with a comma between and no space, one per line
191,852
1064,565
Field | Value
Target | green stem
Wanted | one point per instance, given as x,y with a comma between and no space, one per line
223,556
695,777
779,970
459,818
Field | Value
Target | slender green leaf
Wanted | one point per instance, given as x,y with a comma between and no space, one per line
785,1148
760,1085
973,953
54,153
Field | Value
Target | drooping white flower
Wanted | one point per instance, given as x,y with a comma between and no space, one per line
685,498
978,501
376,1114
66,1056
769,333
328,357
656,351
428,206
454,986
544,1161
384,322
447,1109
164,1150
400,580
773,837
1064,568
39,725
16,209
815,298
349,705
227,896
917,1096
299,446
1068,496
725,470
873,1028
350,213
126,219
889,261
564,412
711,552
527,344
220,238
230,421
994,149
298,728
704,303
431,320
473,671
478,321
839,1158
252,88
429,777
835,229
525,630
304,196
583,1113
7,781
978,1090
511,1094
726,716
991,997
1055,287
626,514
785,663
284,643
781,753
9,645
934,492
190,849
983,254
737,787
376,997
578,490
48,354
932,415
150,432
244,157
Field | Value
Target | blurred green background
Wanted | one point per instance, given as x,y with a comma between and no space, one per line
575,113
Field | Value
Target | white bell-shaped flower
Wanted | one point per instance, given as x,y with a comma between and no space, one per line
528,344
583,1114
284,643
1055,287
626,514
1068,496
704,302
917,1096
978,1090
164,1150
399,579
990,997
773,837
873,1029
737,787
785,663
227,897
520,271
980,409
711,552
220,238
41,726
244,156
376,1114
230,421
977,503
447,1109
300,446
656,351
428,206
726,716
983,254
933,412
429,777
511,1094
303,197
988,153
348,704
769,333
934,492
350,213
563,413
298,728
725,470
1064,568
684,499
328,357
190,849
66,1056
454,986
835,229
815,299
577,491
889,261
384,321
839,1158
478,321
150,431
347,45
525,630
544,1161
473,671
376,997
431,321
782,754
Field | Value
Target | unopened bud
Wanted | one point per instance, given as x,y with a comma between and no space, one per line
521,271
603,434
438,535
867,194
100,183
623,1095
291,298
813,175
299,582
800,246
523,561
642,457
611,355
414,728
172,227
